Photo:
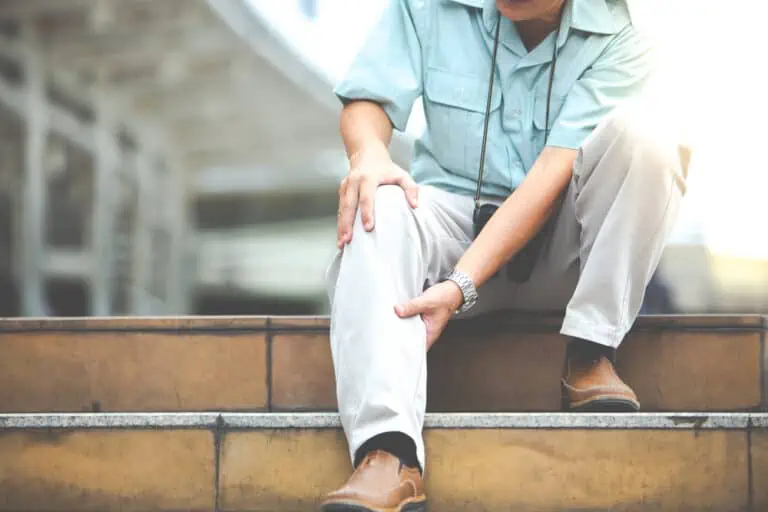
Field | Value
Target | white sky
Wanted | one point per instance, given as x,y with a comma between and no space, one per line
715,75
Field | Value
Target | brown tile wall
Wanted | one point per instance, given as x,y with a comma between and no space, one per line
494,365
131,371
104,471
489,470
467,470
679,370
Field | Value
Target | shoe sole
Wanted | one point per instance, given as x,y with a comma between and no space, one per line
349,507
605,405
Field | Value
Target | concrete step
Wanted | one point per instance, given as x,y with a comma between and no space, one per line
476,462
499,363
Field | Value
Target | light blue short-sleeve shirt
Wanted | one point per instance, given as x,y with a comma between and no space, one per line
440,50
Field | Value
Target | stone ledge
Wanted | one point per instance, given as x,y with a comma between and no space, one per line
636,421
321,323
109,421
134,324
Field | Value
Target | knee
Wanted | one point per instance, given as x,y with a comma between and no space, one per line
644,135
390,199
390,208
387,241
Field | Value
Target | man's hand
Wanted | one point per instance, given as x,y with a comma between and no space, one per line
359,189
436,306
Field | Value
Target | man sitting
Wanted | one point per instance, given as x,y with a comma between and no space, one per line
577,197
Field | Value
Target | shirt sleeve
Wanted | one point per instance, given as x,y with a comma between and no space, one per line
388,68
621,73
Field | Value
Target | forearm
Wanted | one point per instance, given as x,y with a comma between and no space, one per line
521,216
365,129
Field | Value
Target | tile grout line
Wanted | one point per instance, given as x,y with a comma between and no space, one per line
750,426
750,471
763,369
218,433
268,358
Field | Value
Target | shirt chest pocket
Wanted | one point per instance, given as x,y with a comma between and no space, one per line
455,108
540,110
540,119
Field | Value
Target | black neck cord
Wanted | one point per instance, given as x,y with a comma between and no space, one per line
490,96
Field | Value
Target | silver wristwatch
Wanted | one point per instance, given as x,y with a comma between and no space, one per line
467,288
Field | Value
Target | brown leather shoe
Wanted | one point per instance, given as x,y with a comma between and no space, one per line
379,484
595,386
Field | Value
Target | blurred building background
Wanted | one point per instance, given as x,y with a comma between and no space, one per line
182,157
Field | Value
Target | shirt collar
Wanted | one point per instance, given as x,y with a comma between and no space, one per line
470,3
586,15
593,16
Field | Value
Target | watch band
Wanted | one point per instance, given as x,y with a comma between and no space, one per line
467,288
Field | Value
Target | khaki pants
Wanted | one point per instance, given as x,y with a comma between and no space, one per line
605,244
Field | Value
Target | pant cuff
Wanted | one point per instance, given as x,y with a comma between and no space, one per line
600,334
356,437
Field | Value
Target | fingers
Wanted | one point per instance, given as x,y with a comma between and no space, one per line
340,230
402,179
411,189
367,194
411,308
358,190
348,203
434,318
